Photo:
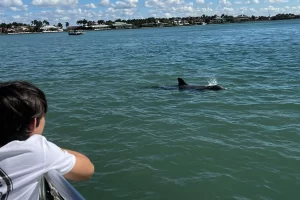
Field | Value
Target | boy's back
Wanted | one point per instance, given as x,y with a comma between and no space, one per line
23,163
26,155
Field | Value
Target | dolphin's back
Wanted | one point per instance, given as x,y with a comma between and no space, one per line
183,85
214,87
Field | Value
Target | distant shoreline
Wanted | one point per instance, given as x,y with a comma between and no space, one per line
88,29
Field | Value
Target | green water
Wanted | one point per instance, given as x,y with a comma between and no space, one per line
151,143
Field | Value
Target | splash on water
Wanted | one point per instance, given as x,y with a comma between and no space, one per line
212,81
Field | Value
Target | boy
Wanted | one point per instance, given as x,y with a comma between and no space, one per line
25,155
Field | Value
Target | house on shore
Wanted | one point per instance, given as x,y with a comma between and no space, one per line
51,29
118,25
217,20
241,18
99,27
16,30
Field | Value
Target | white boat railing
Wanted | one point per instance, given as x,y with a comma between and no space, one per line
61,185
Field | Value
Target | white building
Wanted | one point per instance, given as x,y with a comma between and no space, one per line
51,29
97,27
121,25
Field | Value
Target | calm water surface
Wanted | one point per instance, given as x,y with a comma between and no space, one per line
150,143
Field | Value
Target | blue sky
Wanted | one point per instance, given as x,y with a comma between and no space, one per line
70,11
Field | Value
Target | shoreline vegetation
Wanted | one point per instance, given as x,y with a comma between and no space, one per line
85,25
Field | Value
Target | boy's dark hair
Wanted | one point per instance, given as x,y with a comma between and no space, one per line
20,103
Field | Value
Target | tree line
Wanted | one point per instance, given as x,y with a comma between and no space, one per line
36,25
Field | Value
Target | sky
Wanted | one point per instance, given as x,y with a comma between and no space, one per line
55,11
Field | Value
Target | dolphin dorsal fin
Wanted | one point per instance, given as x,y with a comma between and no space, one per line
181,82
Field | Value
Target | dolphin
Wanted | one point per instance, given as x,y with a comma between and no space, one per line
182,85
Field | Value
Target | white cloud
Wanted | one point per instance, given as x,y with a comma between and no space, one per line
271,9
154,3
174,1
54,2
11,3
184,10
200,1
294,9
253,11
127,4
104,2
225,2
133,1
228,10
15,9
188,9
120,4
276,1
111,10
129,12
168,15
61,15
74,11
65,19
59,11
242,10
116,13
207,10
21,8
246,2
162,4
16,17
90,5
25,18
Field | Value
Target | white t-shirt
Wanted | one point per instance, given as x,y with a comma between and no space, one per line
22,163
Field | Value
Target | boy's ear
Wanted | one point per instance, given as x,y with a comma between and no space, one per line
32,125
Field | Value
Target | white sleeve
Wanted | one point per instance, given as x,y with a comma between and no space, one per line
57,159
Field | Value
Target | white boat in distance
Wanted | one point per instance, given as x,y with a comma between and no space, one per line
75,32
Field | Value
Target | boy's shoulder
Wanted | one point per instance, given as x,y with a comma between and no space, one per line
34,142
36,138
39,141
32,149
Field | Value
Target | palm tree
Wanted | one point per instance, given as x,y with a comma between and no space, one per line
79,22
38,25
60,25
45,22
100,21
109,22
2,27
89,23
84,22
67,24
